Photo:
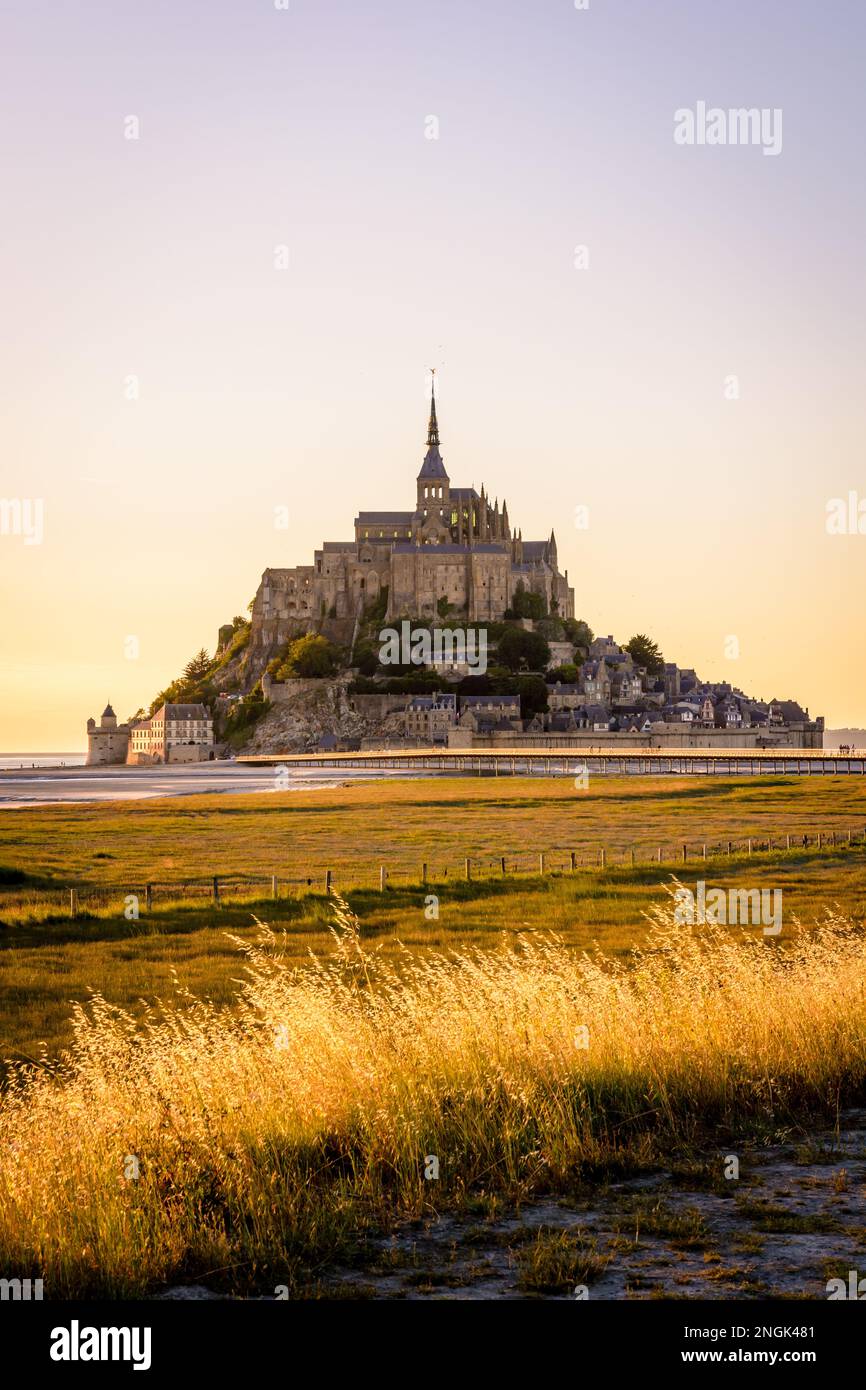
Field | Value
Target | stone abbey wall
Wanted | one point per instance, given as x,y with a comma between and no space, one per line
454,548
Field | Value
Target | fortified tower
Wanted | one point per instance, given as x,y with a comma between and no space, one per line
108,741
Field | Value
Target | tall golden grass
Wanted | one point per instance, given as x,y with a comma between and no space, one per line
269,1136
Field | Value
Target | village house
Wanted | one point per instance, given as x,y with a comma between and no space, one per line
429,717
564,696
595,682
174,734
478,711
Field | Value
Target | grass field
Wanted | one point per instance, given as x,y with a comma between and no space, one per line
404,823
47,960
263,1146
276,1112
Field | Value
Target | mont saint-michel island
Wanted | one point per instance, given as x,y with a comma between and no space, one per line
434,626
433,803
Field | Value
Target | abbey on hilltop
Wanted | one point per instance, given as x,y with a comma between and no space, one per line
455,556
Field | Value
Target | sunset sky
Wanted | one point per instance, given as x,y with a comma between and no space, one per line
604,387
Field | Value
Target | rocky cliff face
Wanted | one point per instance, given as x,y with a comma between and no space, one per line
312,708
269,639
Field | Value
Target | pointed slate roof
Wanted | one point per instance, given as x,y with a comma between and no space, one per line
433,467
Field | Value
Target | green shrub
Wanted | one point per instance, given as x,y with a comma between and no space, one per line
567,673
521,650
310,656
244,717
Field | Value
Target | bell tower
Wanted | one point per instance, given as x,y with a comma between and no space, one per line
433,487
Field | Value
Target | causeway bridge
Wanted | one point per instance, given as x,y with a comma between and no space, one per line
571,762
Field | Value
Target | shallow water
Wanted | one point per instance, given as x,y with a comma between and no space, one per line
48,786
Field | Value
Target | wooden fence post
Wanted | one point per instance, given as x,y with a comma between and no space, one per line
274,887
604,858
659,854
327,880
573,861
632,856
73,903
502,862
703,852
685,853
216,890
424,873
382,877
148,896
468,870
541,864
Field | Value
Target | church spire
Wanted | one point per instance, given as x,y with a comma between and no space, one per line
432,481
433,426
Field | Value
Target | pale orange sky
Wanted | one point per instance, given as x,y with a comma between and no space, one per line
305,387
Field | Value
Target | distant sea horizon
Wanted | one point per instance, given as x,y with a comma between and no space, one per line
10,761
